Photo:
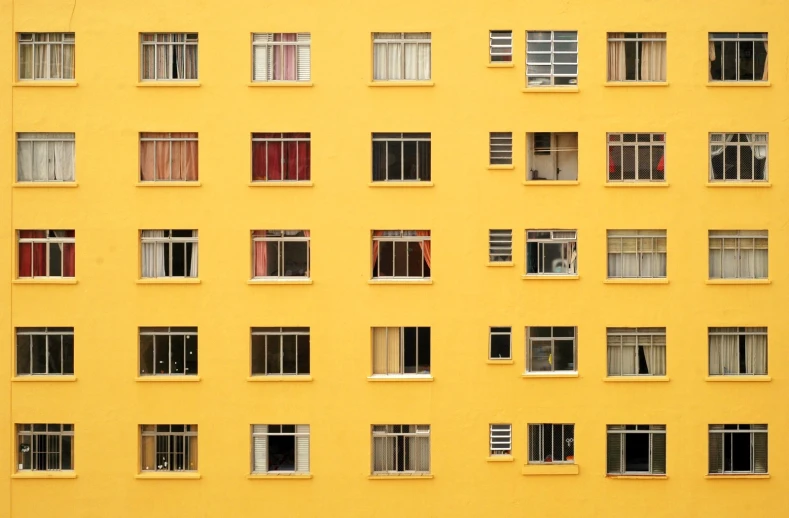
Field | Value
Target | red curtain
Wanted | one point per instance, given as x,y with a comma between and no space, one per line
425,245
69,256
32,256
274,155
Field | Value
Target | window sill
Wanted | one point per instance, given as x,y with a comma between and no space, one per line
42,280
542,183
400,83
295,377
738,379
44,474
167,476
550,469
550,89
399,477
280,183
739,84
500,264
735,184
738,281
504,64
400,281
535,277
280,83
279,476
44,378
501,167
636,379
637,84
168,378
736,477
500,458
400,184
637,477
635,281
636,184
43,185
503,361
253,282
170,280
557,374
166,83
162,183
400,377
40,83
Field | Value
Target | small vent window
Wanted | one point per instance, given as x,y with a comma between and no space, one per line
501,148
500,249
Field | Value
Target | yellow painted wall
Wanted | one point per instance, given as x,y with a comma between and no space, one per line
107,110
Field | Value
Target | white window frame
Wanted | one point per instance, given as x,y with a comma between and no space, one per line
162,333
264,45
500,439
169,139
58,148
261,434
187,40
51,239
187,437
48,46
652,143
499,331
281,237
500,148
740,237
55,434
754,431
280,142
402,39
56,335
272,335
759,144
400,236
738,332
544,434
539,79
500,50
168,240
388,439
569,250
637,338
638,38
400,368
552,339
649,244
555,152
737,39
622,431
500,245
402,139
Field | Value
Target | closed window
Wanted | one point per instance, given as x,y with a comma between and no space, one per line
280,351
168,351
280,254
501,148
500,439
551,252
551,443
281,157
399,56
551,349
637,56
401,157
738,254
636,351
738,449
44,351
551,58
738,56
46,253
738,157
45,157
281,56
636,157
168,157
401,254
500,343
401,449
500,245
169,253
46,55
553,156
168,447
636,254
636,449
45,447
501,46
168,56
738,351
401,350
280,448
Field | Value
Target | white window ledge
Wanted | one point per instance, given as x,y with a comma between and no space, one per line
501,167
276,281
46,280
739,378
637,379
287,84
167,83
401,83
550,183
727,476
43,185
500,458
635,83
169,280
44,378
400,184
277,378
636,184
280,183
635,281
162,183
44,474
44,83
503,361
746,185
550,469
537,277
738,281
550,89
400,377
279,476
167,475
555,374
404,476
400,281
177,378
739,84
637,477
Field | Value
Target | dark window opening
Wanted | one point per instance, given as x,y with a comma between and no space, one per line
636,452
282,452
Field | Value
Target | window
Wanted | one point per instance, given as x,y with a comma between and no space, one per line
401,56
401,449
738,449
637,56
551,349
738,351
44,351
45,157
500,246
166,351
500,343
636,157
280,351
401,254
280,253
553,156
551,58
636,449
401,157
281,157
551,443
738,157
636,254
168,157
501,148
46,253
168,447
168,56
280,448
636,351
401,350
500,439
46,55
551,252
738,56
169,253
501,46
281,56
45,447
738,254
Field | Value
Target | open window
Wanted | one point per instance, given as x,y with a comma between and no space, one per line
551,252
500,343
738,157
280,254
738,351
401,157
280,448
168,253
401,350
401,254
553,156
636,449
636,351
738,56
738,449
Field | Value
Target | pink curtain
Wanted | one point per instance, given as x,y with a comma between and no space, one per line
69,256
260,255
162,159
425,245
285,58
32,256
184,158
146,161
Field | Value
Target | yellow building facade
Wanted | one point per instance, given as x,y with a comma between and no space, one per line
454,97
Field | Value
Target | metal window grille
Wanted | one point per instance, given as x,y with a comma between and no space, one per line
45,157
738,56
500,343
636,157
167,157
281,448
280,351
501,148
401,56
636,449
737,351
551,349
738,157
168,56
500,439
401,254
169,253
738,254
553,156
500,46
44,351
401,350
551,252
551,443
168,447
46,55
281,56
45,447
633,51
551,58
401,157
280,254
168,351
46,253
636,254
738,449
401,449
284,157
500,245
636,351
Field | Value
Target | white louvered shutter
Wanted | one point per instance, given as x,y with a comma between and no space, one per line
261,66
259,440
303,58
303,448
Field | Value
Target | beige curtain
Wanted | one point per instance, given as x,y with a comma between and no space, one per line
68,61
655,354
394,353
184,158
766,61
724,357
380,447
629,356
755,352
614,360
148,446
419,452
192,453
653,58
379,350
617,71
711,55
147,159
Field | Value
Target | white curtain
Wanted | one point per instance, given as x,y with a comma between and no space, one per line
718,145
152,255
653,58
755,352
614,360
46,161
655,355
617,69
193,265
629,356
724,355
